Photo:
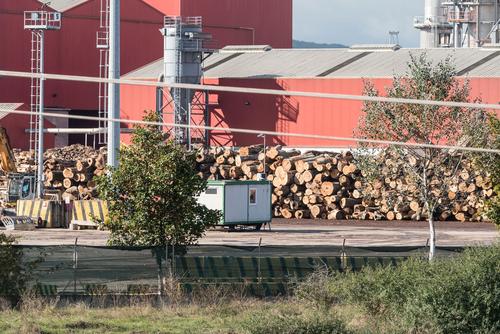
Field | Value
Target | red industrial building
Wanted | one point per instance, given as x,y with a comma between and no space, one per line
329,71
72,50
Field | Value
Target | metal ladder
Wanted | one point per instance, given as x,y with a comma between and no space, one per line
103,46
36,65
180,133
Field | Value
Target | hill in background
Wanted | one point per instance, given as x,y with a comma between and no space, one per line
311,45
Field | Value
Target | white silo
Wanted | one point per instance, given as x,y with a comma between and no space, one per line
459,23
183,57
434,30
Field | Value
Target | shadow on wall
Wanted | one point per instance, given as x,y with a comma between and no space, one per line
252,111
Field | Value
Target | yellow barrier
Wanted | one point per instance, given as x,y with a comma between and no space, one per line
91,210
51,213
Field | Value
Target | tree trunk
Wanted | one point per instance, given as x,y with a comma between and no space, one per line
432,237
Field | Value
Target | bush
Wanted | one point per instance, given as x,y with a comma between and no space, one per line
449,295
286,322
315,291
13,276
493,207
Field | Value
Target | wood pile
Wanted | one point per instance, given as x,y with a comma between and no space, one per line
329,185
461,197
70,169
312,184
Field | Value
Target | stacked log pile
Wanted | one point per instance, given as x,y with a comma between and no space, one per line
305,185
70,169
461,197
310,184
327,185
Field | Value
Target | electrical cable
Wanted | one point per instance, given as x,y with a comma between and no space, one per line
245,90
264,132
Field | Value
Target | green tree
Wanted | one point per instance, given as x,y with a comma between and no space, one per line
14,274
492,165
431,170
152,193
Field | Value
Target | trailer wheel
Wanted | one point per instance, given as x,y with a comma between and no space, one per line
258,227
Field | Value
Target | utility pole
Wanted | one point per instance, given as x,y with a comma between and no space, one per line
114,88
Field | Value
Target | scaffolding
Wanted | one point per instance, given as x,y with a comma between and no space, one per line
38,22
102,44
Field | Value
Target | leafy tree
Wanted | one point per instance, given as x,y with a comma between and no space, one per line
431,170
14,274
152,193
492,164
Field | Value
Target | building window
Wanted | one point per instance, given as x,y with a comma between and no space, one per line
252,196
211,191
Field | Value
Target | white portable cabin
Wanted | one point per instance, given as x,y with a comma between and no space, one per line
241,202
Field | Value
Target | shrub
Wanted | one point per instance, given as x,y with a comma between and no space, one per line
13,275
286,322
462,295
450,295
315,291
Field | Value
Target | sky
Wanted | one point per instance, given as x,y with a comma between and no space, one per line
356,21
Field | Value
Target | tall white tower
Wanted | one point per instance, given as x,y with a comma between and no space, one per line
459,23
435,31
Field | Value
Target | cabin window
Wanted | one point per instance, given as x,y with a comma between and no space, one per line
211,191
252,196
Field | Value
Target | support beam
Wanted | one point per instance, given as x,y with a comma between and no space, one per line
114,89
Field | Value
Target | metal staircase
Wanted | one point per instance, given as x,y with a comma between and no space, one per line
103,47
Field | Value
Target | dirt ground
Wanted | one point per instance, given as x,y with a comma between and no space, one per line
305,232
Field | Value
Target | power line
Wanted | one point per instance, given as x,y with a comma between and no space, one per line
232,89
269,133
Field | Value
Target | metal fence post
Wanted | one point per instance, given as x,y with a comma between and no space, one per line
173,259
258,263
75,264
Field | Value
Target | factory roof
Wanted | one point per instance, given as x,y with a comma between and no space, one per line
332,63
62,5
6,107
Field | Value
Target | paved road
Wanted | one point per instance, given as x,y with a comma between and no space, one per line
307,232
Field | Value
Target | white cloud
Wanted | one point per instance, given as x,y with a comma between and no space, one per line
356,21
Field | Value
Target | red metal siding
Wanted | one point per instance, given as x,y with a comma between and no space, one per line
141,42
270,21
487,89
326,117
135,100
16,126
305,115
167,7
289,114
72,50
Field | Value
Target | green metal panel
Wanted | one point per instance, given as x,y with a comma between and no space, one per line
234,182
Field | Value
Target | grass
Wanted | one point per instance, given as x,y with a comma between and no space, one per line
136,319
233,317
454,295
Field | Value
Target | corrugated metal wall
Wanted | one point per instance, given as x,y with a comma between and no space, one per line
72,50
244,21
287,114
